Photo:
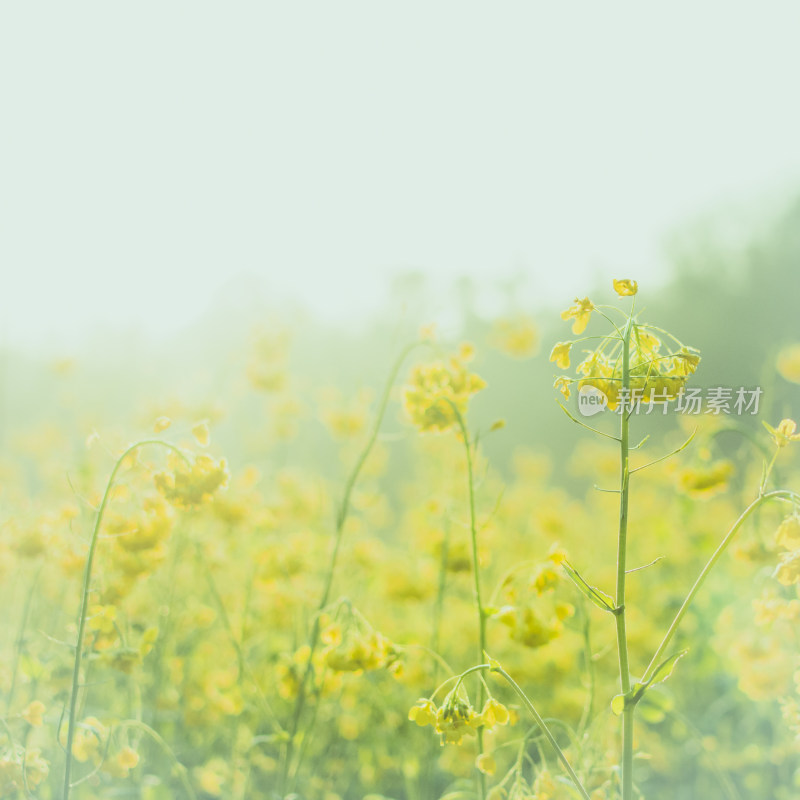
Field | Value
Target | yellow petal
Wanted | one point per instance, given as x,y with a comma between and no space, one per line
486,764
626,287
200,433
33,713
560,354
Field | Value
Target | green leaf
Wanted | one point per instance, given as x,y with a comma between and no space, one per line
660,674
664,669
618,704
598,597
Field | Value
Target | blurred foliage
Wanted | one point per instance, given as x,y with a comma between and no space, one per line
198,626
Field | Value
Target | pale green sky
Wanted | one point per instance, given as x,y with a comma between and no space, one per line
154,151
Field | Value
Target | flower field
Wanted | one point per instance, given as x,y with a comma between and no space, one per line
381,583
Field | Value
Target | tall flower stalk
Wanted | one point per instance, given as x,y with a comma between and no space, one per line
622,550
639,363
84,601
476,581
636,363
342,515
436,399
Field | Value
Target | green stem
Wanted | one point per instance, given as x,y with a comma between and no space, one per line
165,633
87,579
341,519
622,551
20,640
177,768
244,669
767,471
588,709
438,606
541,723
658,656
476,582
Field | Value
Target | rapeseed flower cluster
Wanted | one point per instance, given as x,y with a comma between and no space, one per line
189,485
200,614
787,538
456,718
659,364
533,610
356,647
437,392
22,771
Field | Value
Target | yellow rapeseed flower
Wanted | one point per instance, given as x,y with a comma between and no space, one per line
788,534
146,529
189,486
88,740
161,424
486,764
788,571
102,618
788,363
493,713
437,390
122,763
516,336
33,713
361,651
562,384
201,433
784,433
580,312
654,376
626,287
560,354
456,719
423,712
36,768
212,776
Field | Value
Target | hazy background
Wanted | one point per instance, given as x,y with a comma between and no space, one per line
175,176
157,157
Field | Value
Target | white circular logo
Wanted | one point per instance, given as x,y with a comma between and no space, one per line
591,400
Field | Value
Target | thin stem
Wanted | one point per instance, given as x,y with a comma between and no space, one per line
165,633
668,455
476,580
20,641
177,767
767,470
586,631
341,519
244,669
438,606
622,545
543,725
11,743
611,321
658,655
627,751
87,579
588,427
